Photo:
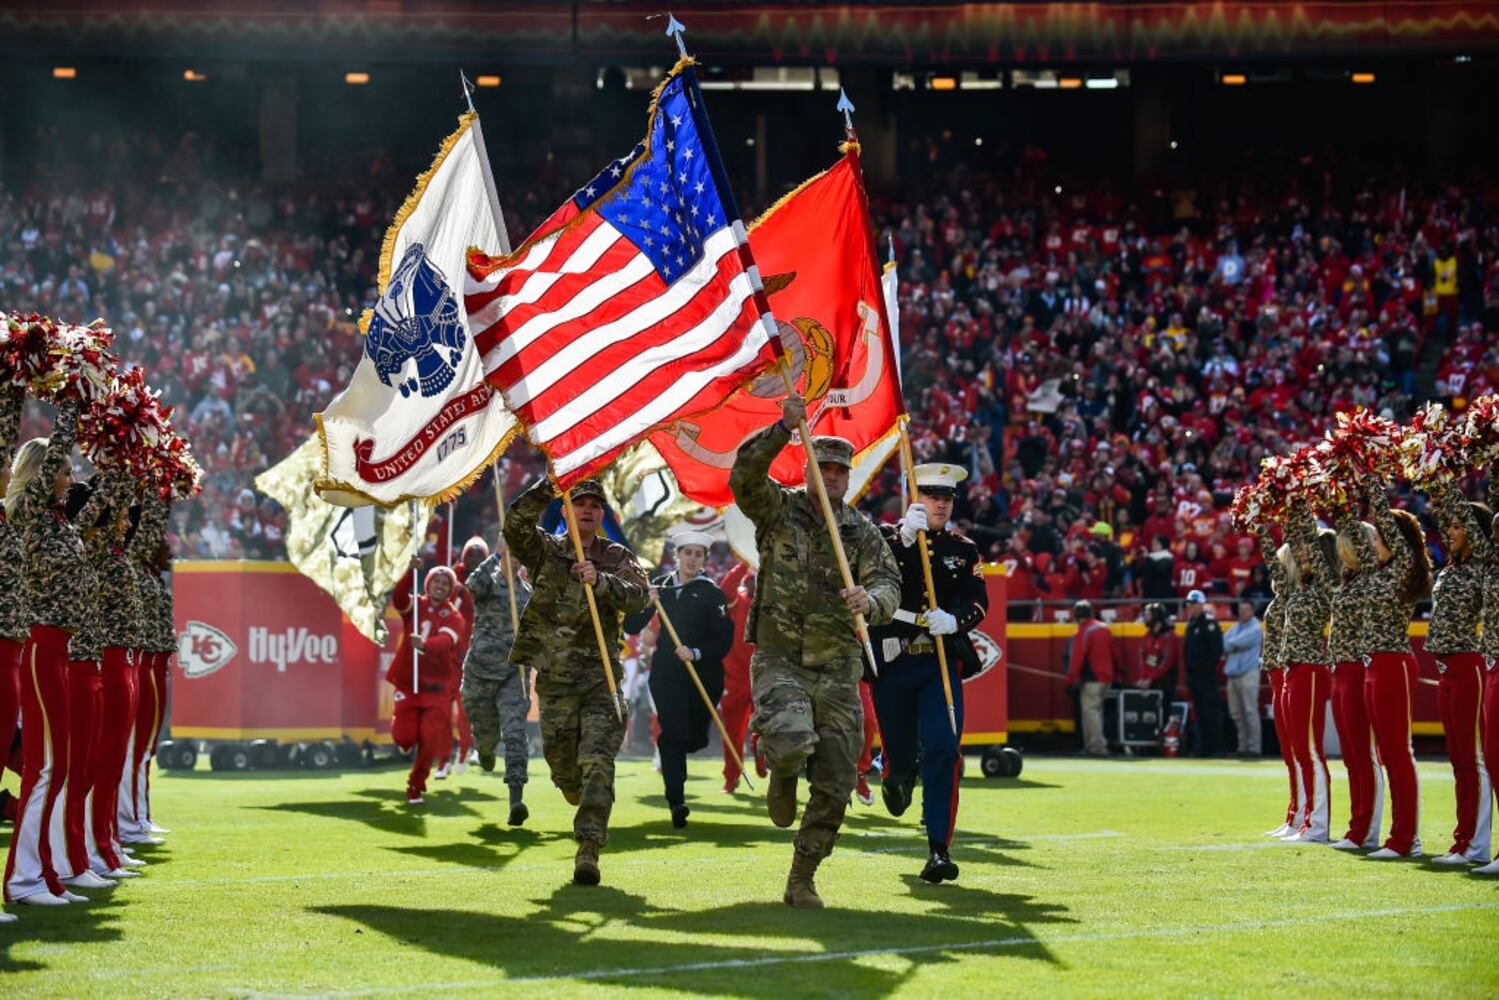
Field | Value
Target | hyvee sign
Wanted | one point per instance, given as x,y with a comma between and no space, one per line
261,651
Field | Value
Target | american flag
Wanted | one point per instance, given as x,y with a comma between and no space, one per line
634,305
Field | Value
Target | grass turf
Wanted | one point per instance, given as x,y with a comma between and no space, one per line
1081,877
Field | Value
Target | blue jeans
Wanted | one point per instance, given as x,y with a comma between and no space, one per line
915,732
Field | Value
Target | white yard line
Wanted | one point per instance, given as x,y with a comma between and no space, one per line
992,944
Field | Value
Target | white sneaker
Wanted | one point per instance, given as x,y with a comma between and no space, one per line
1492,868
460,767
1388,854
1280,831
88,880
43,898
1308,837
73,897
1450,858
129,862
1345,845
159,831
123,873
473,757
442,771
8,918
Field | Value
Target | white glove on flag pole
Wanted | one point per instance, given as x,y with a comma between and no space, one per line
418,421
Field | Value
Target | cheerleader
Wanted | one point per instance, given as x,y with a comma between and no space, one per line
1456,607
1346,642
1489,646
1399,578
424,689
59,593
1306,560
120,611
152,558
13,623
1272,622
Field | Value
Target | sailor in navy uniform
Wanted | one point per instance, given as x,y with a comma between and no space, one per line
908,699
700,612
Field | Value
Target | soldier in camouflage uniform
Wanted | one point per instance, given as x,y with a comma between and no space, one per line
807,663
580,729
495,695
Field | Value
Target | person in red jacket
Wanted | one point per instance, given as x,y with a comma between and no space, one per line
425,680
737,704
1160,663
1091,668
475,551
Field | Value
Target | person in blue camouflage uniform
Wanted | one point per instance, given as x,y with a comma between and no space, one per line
807,662
581,731
495,695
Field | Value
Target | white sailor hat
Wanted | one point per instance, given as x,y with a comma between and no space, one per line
939,478
702,538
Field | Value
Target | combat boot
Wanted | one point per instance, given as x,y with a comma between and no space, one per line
586,863
800,892
486,761
780,798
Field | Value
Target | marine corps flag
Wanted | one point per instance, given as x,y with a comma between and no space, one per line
816,251
357,555
418,420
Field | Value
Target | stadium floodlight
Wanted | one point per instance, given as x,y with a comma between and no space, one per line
193,76
1363,78
356,79
1070,82
943,83
1103,83
64,72
490,80
1233,79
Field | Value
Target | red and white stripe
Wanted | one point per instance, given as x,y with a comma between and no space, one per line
592,349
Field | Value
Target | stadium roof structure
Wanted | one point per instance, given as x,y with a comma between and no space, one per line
875,33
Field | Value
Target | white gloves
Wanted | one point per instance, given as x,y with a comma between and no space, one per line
913,521
939,622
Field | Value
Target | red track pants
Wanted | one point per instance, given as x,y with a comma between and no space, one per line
38,846
1491,715
85,711
1356,736
1308,688
735,708
112,761
1389,689
1282,736
10,694
871,728
1460,698
423,721
151,685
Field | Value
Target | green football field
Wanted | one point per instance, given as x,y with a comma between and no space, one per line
1080,878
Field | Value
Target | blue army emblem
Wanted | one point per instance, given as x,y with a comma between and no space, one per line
417,319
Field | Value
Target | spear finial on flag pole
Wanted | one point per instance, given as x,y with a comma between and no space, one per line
890,241
674,29
468,92
847,107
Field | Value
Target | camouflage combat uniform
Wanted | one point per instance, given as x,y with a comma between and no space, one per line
808,659
15,623
580,731
495,696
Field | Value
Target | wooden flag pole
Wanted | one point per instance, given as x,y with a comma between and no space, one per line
593,607
860,626
696,680
499,499
416,629
909,461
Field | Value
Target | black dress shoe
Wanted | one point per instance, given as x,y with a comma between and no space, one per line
679,816
897,796
519,814
939,868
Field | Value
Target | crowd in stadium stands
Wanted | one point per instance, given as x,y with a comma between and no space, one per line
1109,368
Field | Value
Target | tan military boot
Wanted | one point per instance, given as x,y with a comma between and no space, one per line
586,863
572,795
800,892
780,798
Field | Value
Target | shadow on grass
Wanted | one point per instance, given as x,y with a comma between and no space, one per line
609,936
57,927
490,852
385,809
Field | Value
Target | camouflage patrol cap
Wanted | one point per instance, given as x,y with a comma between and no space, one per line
837,450
590,488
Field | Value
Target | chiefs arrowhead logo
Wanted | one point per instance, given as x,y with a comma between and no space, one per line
202,649
989,653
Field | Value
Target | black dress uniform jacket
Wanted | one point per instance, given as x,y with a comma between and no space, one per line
958,576
700,613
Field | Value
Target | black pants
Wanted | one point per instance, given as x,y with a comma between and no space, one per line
1207,712
683,717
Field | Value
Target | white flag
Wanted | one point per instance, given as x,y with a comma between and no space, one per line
418,420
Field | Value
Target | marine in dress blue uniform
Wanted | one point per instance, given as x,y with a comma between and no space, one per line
908,697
